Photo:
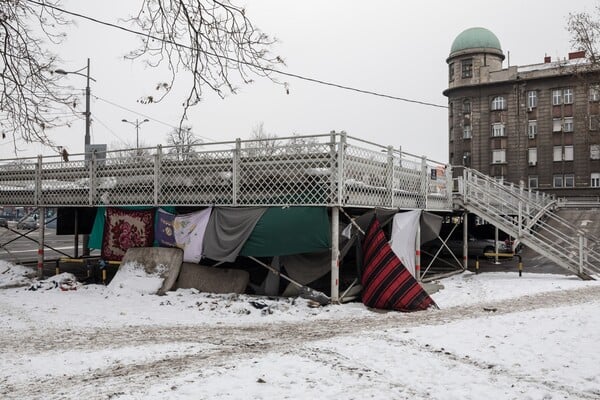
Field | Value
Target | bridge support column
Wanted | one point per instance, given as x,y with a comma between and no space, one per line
335,254
465,240
418,253
40,259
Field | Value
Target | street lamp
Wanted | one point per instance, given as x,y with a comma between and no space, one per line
137,124
87,98
86,142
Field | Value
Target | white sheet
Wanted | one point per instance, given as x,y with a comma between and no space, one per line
404,233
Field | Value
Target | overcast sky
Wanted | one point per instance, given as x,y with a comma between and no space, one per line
392,47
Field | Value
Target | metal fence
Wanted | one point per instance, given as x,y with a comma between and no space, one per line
319,170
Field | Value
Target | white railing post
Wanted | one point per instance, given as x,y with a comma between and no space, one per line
236,171
340,168
157,177
424,181
91,164
390,174
38,182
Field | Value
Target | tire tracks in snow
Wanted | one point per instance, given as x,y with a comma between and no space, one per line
232,343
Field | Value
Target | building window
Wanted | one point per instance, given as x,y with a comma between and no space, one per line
533,181
450,109
557,181
498,103
557,153
595,151
467,68
532,156
568,153
568,124
499,179
595,179
563,154
595,93
467,132
532,99
568,96
569,180
498,129
467,107
556,97
532,129
499,156
556,125
451,72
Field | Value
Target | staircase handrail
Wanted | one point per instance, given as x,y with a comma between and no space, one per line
492,203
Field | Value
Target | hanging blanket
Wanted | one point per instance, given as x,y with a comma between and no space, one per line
189,234
228,229
387,284
125,229
163,232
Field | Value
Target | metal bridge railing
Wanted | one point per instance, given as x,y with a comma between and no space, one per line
319,170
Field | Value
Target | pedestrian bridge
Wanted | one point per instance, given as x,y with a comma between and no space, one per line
320,170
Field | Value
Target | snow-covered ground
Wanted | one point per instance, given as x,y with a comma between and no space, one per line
496,336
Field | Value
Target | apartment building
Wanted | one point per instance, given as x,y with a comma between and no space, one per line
534,125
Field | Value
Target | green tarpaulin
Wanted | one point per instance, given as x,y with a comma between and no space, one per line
289,230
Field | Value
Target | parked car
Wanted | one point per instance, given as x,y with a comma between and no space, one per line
3,223
477,247
28,223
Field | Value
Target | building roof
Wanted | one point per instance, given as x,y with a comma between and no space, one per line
475,38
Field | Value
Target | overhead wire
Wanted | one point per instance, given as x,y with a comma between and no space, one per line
273,70
148,116
110,130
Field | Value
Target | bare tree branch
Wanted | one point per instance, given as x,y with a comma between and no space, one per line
32,100
214,40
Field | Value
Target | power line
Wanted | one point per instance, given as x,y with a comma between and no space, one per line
292,75
110,130
149,117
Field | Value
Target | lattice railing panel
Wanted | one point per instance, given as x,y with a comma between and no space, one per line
18,183
201,179
126,180
64,183
366,177
282,175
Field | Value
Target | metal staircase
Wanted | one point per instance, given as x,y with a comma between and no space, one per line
529,217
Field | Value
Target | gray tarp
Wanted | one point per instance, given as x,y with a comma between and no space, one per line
431,224
227,231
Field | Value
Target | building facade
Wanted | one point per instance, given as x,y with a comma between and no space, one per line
535,125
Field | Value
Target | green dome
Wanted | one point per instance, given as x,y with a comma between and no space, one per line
474,38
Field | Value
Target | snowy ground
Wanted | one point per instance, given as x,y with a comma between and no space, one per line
496,336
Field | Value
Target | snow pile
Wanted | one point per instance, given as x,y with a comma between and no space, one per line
133,278
64,281
14,275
